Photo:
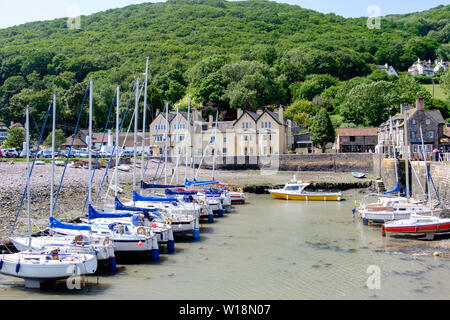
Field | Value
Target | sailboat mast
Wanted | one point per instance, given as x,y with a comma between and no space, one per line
166,143
406,154
52,182
187,135
136,109
27,137
144,118
393,149
426,167
215,143
116,169
177,138
90,143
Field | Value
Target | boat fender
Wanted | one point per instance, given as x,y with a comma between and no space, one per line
169,221
383,231
239,190
18,267
1,264
140,230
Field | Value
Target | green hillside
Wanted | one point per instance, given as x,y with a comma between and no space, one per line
226,54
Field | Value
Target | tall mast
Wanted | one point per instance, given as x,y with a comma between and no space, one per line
215,143
177,138
90,143
27,128
136,109
393,148
166,143
406,154
144,124
116,170
52,182
187,135
426,167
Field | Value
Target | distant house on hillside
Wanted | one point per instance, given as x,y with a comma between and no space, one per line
441,65
422,68
3,132
388,69
356,140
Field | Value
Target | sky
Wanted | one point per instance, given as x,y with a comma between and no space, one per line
21,11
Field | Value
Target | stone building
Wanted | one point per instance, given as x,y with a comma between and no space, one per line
431,122
356,140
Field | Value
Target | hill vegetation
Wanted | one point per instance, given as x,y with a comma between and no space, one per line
227,55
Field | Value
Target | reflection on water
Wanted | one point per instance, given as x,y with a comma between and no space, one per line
273,249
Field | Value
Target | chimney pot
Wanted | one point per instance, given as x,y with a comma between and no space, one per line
259,111
239,113
420,104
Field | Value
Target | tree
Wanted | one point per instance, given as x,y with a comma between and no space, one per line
16,138
301,111
322,130
445,83
313,86
60,138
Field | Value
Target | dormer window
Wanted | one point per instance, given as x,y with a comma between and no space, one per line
428,121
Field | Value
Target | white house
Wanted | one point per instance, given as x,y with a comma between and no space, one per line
422,68
3,132
388,69
441,65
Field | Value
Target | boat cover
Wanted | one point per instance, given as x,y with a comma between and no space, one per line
67,226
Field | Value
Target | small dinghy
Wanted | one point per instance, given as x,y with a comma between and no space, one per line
59,163
40,162
417,224
358,175
124,167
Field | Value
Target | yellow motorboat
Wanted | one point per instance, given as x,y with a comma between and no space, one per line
295,190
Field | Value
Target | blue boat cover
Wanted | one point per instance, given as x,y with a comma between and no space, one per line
200,183
120,206
181,193
68,226
138,197
158,186
94,214
395,190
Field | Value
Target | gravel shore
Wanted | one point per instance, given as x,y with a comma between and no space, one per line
74,188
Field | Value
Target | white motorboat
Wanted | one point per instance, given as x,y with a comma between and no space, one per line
427,225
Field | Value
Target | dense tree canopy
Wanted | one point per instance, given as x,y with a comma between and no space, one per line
226,55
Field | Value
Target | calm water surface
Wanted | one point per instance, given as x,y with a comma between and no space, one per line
272,249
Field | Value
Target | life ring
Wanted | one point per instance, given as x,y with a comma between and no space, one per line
202,203
169,221
140,230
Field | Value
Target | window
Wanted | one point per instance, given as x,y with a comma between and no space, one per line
224,139
181,138
224,150
180,126
199,151
245,150
160,127
264,137
431,134
352,139
245,138
291,188
413,121
160,138
212,140
413,135
428,121
265,150
251,151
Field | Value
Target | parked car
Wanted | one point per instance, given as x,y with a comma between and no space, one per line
81,154
64,153
44,154
10,153
127,154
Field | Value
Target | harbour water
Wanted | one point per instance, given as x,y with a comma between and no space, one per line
272,249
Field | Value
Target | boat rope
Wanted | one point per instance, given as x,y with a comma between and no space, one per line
97,158
32,166
161,155
70,149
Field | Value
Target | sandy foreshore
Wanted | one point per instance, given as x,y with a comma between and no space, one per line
74,188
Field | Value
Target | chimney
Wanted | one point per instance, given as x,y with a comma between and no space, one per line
259,111
386,66
211,119
420,104
157,112
239,113
281,115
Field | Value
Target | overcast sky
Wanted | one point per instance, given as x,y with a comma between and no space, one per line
14,12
